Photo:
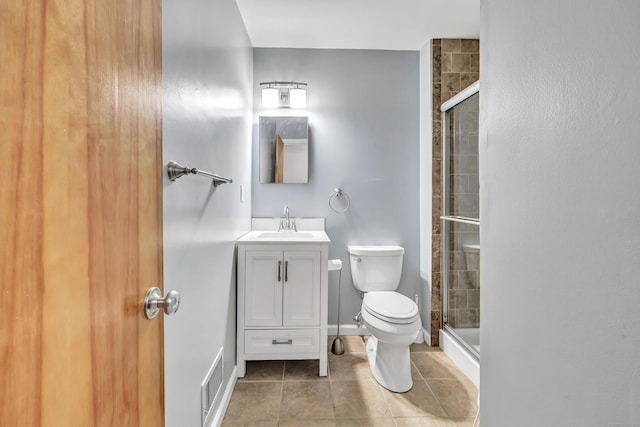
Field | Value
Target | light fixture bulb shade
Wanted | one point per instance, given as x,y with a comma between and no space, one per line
298,98
270,97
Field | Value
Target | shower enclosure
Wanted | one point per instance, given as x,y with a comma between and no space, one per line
460,269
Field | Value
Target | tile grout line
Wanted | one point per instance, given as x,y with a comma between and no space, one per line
417,370
333,400
437,398
281,394
382,391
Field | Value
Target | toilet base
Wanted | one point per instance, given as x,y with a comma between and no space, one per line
390,365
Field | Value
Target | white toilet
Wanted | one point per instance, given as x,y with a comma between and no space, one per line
392,318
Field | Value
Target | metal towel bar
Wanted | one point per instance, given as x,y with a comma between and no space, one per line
176,170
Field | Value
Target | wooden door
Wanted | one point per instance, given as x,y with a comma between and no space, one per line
301,291
80,212
263,288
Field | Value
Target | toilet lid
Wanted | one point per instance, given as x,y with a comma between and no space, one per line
390,306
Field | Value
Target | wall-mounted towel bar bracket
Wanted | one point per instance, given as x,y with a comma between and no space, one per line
176,170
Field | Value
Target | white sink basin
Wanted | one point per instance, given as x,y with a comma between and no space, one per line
285,235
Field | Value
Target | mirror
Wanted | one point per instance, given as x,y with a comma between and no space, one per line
284,150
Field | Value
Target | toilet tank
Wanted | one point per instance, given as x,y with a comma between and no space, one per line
376,268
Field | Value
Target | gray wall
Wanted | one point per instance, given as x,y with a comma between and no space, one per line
207,98
560,204
363,125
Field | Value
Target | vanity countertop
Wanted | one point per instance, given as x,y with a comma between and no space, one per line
265,230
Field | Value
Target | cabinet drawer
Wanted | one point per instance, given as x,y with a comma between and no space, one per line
282,341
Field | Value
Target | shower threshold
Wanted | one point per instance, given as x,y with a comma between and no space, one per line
465,354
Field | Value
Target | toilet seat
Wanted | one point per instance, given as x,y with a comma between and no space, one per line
390,306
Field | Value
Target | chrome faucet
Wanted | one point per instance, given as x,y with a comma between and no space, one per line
285,222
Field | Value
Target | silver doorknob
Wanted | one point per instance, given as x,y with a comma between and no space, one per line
153,302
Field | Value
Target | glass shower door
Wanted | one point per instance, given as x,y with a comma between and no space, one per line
461,220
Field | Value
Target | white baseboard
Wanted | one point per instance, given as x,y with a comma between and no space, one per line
427,337
226,398
348,330
420,338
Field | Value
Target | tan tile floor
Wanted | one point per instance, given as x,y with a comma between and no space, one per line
291,394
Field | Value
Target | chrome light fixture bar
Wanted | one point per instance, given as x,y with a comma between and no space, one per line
284,94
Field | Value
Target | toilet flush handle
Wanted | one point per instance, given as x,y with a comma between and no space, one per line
357,259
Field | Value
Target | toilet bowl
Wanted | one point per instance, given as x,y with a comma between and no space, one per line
392,318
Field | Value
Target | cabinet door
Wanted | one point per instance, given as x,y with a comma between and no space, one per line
263,288
301,292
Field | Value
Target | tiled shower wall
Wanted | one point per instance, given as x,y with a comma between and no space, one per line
455,65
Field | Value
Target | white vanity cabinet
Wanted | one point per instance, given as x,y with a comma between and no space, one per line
282,302
282,288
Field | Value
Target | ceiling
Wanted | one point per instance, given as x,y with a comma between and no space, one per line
358,24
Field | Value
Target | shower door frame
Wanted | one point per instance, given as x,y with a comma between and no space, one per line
446,219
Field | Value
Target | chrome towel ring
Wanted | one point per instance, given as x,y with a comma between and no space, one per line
337,192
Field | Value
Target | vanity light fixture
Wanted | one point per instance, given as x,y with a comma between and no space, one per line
284,94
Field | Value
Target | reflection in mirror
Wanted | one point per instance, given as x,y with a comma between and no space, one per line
284,150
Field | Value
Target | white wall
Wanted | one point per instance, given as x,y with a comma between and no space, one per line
207,106
363,137
560,206
426,190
